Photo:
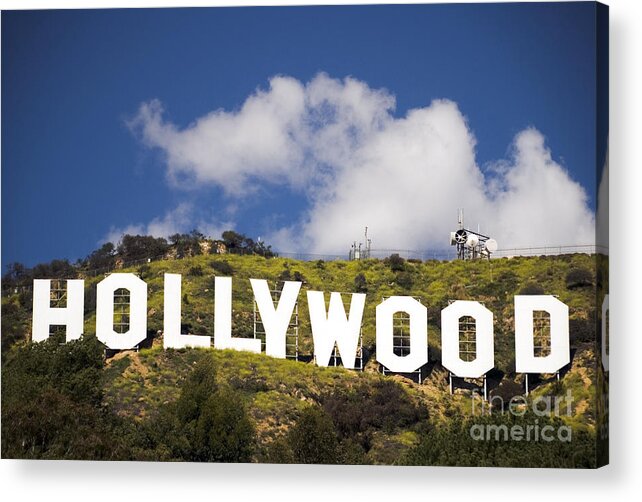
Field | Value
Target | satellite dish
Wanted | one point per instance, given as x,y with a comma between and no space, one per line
461,236
491,245
472,240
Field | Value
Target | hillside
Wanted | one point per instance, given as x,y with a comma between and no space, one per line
368,418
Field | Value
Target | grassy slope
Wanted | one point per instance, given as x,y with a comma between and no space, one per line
276,390
137,384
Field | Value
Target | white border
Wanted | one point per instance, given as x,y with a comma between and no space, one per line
111,481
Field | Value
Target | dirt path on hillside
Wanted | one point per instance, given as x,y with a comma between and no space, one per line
135,365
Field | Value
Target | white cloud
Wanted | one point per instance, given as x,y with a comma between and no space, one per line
538,203
229,148
338,142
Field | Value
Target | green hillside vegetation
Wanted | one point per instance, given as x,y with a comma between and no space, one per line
212,405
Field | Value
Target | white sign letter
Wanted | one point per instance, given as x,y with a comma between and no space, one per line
72,316
335,327
172,337
484,344
137,311
560,355
275,320
418,355
223,320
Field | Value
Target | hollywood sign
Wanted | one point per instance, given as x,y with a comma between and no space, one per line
330,325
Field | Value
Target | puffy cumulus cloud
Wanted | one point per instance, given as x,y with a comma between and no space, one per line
231,148
289,134
338,142
536,203
403,182
181,219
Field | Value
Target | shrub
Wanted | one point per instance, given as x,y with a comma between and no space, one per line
207,423
360,283
452,444
223,432
506,390
240,244
532,289
434,314
285,275
395,262
72,369
138,247
14,325
352,452
143,271
313,439
405,280
102,258
581,330
384,405
195,271
52,402
222,267
200,384
187,244
506,282
579,278
279,452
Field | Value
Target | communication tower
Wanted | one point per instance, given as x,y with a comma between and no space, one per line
470,244
361,251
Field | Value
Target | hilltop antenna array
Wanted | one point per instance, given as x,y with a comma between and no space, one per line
361,252
470,244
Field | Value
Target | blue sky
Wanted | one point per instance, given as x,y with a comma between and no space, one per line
78,166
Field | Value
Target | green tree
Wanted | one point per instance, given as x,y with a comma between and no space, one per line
52,403
55,269
138,247
240,244
102,258
223,432
233,241
405,280
211,423
458,444
199,386
396,263
313,439
187,244
17,274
